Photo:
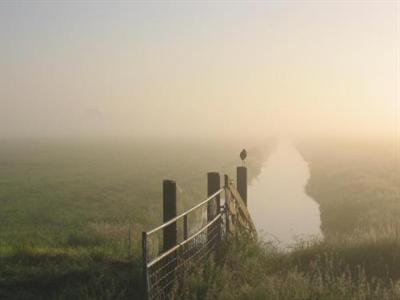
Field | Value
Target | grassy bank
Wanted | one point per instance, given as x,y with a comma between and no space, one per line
357,186
69,237
72,210
355,182
356,267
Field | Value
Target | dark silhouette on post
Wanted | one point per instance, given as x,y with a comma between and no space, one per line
243,156
241,178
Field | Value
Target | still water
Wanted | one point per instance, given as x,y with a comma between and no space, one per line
278,203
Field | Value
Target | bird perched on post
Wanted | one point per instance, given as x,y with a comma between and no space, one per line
243,155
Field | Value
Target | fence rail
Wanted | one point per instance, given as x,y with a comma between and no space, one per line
192,235
238,217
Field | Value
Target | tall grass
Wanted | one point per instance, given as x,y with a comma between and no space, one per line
72,211
357,184
71,216
356,267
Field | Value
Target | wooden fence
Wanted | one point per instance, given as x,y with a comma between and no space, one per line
193,235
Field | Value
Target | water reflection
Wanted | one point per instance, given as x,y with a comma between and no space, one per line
280,208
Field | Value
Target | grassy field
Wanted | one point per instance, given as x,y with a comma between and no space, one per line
357,186
70,207
356,183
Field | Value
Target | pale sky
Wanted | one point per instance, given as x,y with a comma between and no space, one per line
199,69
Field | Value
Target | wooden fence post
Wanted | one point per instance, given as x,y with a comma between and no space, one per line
213,208
227,203
226,181
169,234
241,178
169,212
213,186
145,273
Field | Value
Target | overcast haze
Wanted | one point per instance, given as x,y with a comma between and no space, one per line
199,69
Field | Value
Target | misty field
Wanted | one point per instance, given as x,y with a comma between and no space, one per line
72,210
357,184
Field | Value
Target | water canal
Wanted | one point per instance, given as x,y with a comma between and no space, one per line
278,203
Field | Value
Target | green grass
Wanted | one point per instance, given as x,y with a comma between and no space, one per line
69,207
357,186
352,268
356,183
60,273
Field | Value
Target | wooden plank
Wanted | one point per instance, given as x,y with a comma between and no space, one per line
242,208
232,209
240,202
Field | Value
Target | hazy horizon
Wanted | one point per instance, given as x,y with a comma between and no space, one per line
199,69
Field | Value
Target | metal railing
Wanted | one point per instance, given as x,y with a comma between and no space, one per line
200,231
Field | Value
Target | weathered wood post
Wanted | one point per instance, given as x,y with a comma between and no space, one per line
226,180
213,207
169,234
144,255
169,212
227,203
213,186
241,182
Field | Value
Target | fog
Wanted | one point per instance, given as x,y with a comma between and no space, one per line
158,69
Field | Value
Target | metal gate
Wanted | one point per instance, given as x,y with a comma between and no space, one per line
199,232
